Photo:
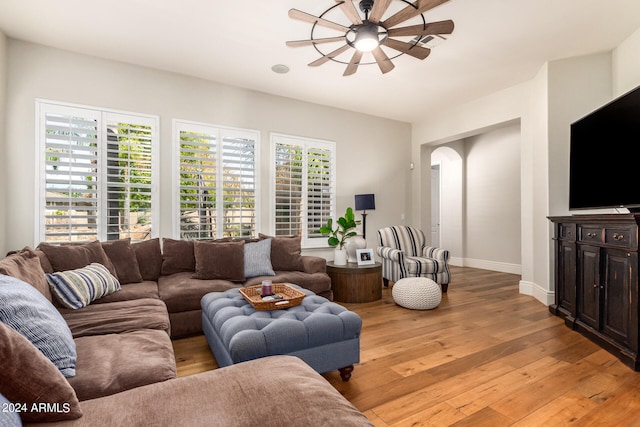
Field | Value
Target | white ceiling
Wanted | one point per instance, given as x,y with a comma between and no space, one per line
496,44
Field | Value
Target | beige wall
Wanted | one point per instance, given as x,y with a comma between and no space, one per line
373,153
492,200
3,171
626,65
546,105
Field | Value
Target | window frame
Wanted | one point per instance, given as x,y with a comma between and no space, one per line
307,242
102,116
179,125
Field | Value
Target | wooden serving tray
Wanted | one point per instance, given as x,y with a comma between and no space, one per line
290,297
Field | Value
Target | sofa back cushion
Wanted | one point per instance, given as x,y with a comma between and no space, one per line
409,240
285,253
73,256
25,265
124,260
219,260
29,378
177,256
27,311
149,256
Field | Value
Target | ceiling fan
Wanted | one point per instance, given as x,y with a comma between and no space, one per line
369,32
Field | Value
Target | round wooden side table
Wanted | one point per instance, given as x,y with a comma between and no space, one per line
355,283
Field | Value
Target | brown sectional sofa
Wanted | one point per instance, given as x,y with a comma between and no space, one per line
123,340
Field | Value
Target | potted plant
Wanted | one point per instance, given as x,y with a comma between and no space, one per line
338,236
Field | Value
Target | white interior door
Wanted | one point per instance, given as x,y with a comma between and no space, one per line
435,205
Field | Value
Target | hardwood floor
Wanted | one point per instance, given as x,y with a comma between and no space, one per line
487,356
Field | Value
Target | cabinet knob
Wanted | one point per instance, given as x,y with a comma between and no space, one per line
595,286
591,235
617,236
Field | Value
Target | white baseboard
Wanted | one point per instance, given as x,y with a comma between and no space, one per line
502,267
544,296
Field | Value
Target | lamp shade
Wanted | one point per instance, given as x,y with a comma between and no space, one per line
365,202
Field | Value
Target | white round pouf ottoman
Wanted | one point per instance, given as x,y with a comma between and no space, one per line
417,293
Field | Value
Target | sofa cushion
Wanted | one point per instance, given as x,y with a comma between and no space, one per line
78,288
285,253
112,363
132,291
117,317
73,256
232,397
257,259
28,378
123,259
177,256
219,260
25,265
181,292
27,311
149,256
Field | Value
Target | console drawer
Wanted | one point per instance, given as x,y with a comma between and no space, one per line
567,231
624,237
590,234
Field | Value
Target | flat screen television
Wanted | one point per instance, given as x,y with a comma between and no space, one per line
604,168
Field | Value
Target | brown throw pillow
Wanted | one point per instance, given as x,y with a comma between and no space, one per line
74,256
219,260
25,265
149,256
123,259
177,256
285,253
29,378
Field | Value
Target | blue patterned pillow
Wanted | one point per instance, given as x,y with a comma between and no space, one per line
257,259
78,288
8,418
28,312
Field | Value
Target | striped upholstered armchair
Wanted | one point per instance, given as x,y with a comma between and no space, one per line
404,254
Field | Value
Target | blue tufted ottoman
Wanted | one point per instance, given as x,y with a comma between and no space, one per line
322,333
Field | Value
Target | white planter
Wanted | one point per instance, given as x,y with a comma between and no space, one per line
352,244
340,257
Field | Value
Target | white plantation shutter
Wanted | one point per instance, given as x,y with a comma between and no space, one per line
129,178
96,174
216,181
71,162
303,187
238,185
288,189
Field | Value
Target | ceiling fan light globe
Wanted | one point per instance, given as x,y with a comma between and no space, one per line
366,44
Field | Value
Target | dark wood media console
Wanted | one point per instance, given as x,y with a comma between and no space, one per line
596,280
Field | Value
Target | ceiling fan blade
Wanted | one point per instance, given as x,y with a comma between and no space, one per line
329,56
379,8
298,43
408,48
349,9
303,16
440,27
383,60
410,11
353,65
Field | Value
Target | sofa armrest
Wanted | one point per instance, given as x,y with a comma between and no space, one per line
435,253
392,254
313,264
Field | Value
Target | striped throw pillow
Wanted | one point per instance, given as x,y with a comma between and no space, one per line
24,309
78,288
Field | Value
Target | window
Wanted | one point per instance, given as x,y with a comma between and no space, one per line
97,173
217,181
303,187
